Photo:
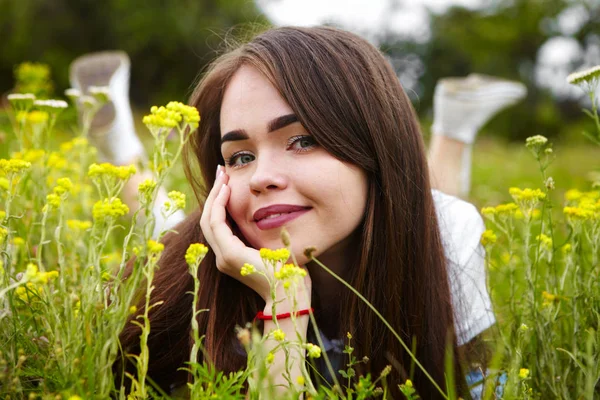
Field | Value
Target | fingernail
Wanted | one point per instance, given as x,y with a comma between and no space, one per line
219,171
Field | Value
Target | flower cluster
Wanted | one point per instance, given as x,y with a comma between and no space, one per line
78,225
314,351
488,237
32,274
190,114
523,373
274,256
588,75
170,116
155,247
290,274
108,209
147,187
108,170
12,166
538,144
195,253
545,241
582,206
59,193
21,101
527,194
278,335
32,155
50,106
177,201
549,298
502,211
247,269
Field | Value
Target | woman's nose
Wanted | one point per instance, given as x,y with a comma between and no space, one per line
269,174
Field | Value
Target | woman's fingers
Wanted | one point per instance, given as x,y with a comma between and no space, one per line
205,220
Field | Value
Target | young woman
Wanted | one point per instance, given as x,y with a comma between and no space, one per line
309,129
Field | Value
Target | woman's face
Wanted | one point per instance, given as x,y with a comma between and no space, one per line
278,175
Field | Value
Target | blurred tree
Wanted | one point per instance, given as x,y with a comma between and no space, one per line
169,42
501,40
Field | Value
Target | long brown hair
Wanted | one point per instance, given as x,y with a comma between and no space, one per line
348,97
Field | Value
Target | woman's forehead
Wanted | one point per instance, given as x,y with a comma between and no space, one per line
250,101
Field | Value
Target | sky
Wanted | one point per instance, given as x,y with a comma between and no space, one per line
555,59
406,17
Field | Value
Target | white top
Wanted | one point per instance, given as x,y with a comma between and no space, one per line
461,227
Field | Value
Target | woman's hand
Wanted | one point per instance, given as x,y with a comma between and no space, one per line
231,253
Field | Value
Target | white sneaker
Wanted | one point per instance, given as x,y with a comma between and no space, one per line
112,130
463,105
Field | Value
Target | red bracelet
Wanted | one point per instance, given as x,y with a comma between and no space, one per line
264,317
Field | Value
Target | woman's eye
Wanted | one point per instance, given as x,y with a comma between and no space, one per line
238,160
301,143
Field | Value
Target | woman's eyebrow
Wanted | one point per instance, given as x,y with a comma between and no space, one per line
275,124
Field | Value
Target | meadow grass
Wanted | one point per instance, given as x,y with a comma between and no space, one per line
65,238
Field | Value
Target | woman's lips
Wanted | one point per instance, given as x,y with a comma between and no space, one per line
277,215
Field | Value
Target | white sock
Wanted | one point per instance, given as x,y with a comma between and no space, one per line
112,130
463,105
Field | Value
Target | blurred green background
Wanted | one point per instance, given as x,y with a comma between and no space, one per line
170,42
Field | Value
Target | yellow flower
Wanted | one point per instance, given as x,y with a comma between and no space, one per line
247,269
527,194
32,156
31,271
523,373
78,225
195,253
275,256
132,310
270,358
37,117
289,273
99,171
567,248
53,200
18,241
578,213
147,186
74,397
2,215
549,298
155,247
545,241
177,198
488,211
488,237
13,166
573,195
300,380
506,209
278,335
109,208
161,117
408,383
28,292
313,350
